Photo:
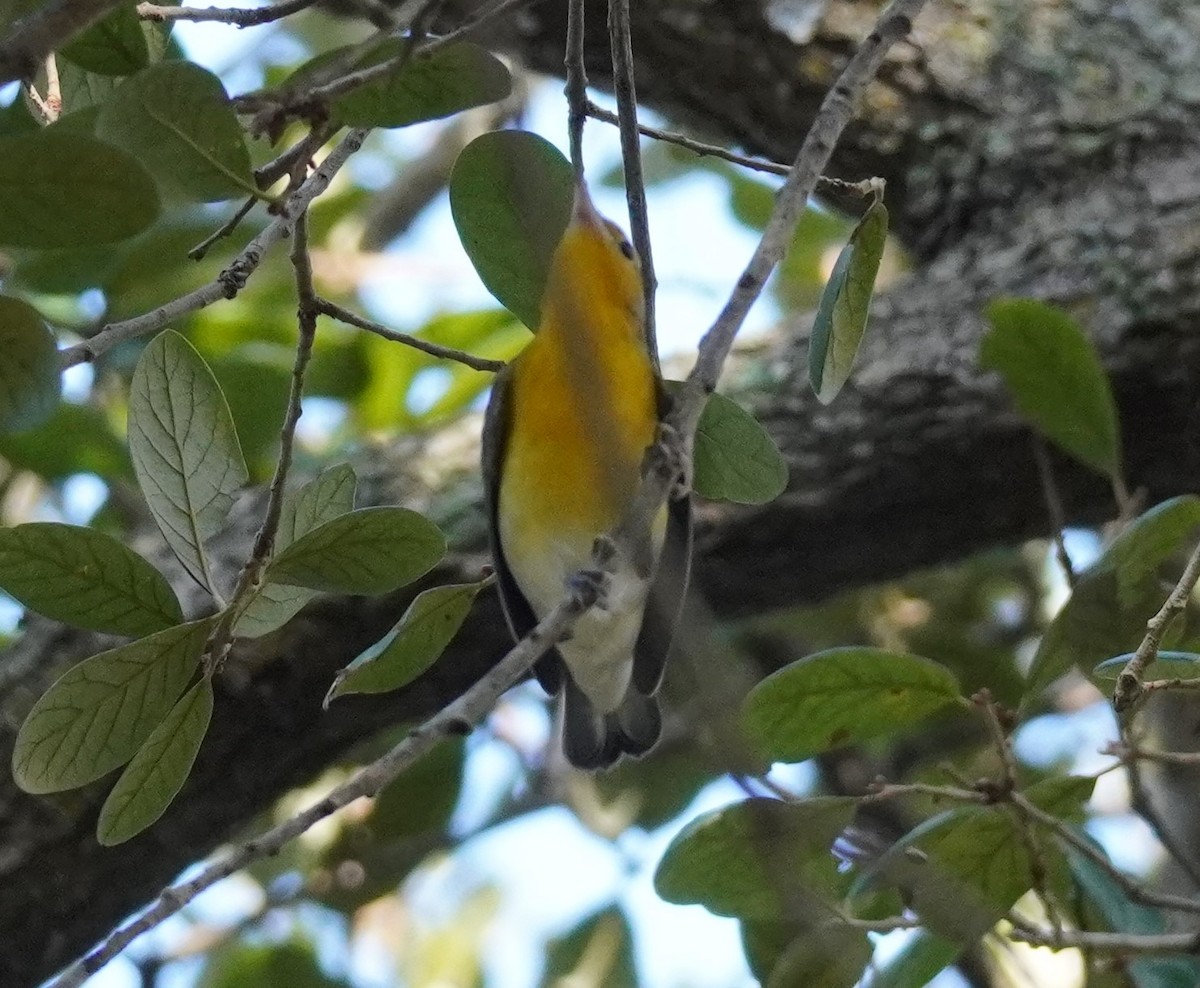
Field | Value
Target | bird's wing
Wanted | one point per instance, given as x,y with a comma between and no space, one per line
517,610
664,604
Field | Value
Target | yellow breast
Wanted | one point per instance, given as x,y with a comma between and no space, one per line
583,411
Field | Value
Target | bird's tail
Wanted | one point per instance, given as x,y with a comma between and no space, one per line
594,740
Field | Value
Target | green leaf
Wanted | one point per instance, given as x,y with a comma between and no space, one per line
918,961
1112,600
292,964
99,712
597,952
510,195
29,378
369,551
322,499
80,89
753,858
257,392
421,799
1056,379
177,118
841,317
99,193
158,771
1166,665
115,45
412,646
75,439
85,578
833,955
734,459
964,869
843,695
185,451
1149,541
432,85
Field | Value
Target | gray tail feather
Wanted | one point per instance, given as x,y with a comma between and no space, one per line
593,740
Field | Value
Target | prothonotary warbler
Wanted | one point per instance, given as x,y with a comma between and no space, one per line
567,427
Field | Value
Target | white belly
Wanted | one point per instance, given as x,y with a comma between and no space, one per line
599,653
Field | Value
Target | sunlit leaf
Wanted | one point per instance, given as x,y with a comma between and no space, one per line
114,45
29,376
751,858
841,696
86,578
369,551
1056,379
1112,600
734,458
177,118
431,85
322,499
99,712
159,769
510,195
185,451
841,317
413,645
100,193
964,869
598,951
1166,665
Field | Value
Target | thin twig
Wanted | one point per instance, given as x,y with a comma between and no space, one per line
866,187
631,158
54,100
224,230
576,88
1134,890
1002,743
664,459
230,281
455,719
1129,688
1054,508
237,16
299,154
272,103
335,311
264,540
1131,753
1116,943
1143,805
42,106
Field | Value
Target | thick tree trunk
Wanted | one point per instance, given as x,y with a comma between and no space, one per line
1029,150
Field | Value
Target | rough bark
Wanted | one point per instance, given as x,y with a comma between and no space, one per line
1029,151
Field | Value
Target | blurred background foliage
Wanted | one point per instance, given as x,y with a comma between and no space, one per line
481,867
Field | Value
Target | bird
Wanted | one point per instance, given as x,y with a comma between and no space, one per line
566,429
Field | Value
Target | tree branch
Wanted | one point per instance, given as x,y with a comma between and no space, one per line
230,281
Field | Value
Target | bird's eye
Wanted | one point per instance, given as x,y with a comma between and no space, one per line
626,249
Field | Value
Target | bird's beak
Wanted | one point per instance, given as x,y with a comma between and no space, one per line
584,212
